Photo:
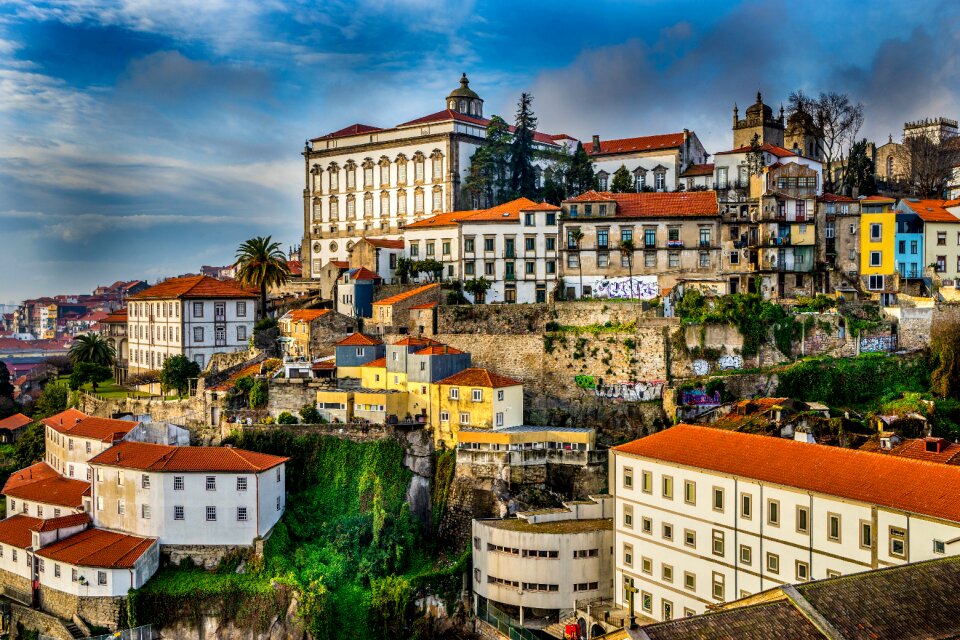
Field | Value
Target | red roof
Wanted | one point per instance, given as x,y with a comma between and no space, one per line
64,419
192,287
296,267
476,377
340,264
437,351
379,362
41,483
63,522
17,530
14,422
306,315
429,305
448,114
654,205
892,481
363,274
357,340
772,149
878,199
103,429
98,548
383,243
931,210
698,170
415,341
541,206
407,294
116,317
833,197
161,457
352,130
509,211
643,143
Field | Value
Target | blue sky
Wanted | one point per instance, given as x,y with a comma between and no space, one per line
143,138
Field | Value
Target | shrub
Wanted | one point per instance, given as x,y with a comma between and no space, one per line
286,417
259,394
310,415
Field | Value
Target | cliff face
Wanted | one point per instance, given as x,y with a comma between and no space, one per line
212,627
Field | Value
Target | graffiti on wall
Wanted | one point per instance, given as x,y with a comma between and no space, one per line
586,382
728,363
643,288
699,397
701,367
874,344
629,391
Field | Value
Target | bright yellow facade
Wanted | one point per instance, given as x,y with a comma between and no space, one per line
373,377
878,236
518,437
803,234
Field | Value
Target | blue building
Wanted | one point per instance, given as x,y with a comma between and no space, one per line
908,252
355,290
356,350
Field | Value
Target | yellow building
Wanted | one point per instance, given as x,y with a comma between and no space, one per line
335,405
475,398
522,438
878,227
295,331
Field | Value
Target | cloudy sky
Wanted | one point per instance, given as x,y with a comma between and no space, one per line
143,138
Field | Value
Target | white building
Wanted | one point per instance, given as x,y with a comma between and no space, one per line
537,565
655,162
196,316
211,496
705,515
40,491
71,438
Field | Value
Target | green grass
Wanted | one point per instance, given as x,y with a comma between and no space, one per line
109,390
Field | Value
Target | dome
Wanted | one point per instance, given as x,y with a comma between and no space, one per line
464,90
759,109
800,120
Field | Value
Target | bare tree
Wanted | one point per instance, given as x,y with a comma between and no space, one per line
838,122
929,163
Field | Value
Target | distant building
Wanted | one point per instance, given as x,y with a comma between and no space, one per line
308,333
12,426
655,163
392,314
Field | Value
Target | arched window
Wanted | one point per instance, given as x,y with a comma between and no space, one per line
384,204
602,177
890,167
418,201
401,170
334,171
316,176
401,202
368,205
437,199
334,209
640,178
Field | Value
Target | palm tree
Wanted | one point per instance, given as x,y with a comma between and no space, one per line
576,235
262,264
626,249
93,349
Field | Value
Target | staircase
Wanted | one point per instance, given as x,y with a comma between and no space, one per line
556,629
74,630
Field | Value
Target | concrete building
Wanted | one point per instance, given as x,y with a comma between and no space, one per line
705,516
196,317
355,351
655,163
539,564
938,222
878,223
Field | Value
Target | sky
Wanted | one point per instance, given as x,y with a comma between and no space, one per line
144,138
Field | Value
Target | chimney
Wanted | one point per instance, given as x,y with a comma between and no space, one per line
596,143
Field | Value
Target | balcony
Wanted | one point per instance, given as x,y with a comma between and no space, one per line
510,277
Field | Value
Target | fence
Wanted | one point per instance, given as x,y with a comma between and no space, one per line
139,633
502,623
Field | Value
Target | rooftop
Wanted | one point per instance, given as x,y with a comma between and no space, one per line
528,429
476,377
159,457
931,210
508,211
357,340
698,170
305,315
98,548
900,483
383,243
642,143
400,297
363,274
103,429
436,350
772,149
192,287
14,422
41,483
553,526
653,205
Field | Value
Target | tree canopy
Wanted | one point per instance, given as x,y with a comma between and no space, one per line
92,348
622,181
177,372
262,263
580,174
523,183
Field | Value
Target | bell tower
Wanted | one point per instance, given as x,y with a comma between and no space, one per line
465,100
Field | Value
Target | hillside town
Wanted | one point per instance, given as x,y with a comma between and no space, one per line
515,384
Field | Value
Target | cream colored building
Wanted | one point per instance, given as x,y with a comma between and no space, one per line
705,516
539,564
655,163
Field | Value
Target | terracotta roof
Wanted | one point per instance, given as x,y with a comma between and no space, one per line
772,149
755,622
416,341
363,274
17,530
931,210
900,483
448,114
160,457
476,377
509,211
340,264
357,340
400,297
64,419
878,199
98,548
72,520
916,449
352,130
429,305
192,287
116,317
541,206
698,170
324,365
41,483
296,267
103,429
448,219
383,243
642,143
833,197
379,362
14,422
305,315
654,205
437,351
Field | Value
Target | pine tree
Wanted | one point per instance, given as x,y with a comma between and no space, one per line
858,179
487,182
523,183
622,181
580,176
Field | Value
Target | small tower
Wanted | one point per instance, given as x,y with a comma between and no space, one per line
758,121
465,100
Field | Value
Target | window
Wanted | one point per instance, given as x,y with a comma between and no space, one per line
650,238
866,535
803,571
646,601
719,587
646,525
498,419
241,309
603,260
197,309
689,581
717,499
529,220
941,238
454,393
718,542
628,554
628,516
876,232
876,258
746,506
746,554
690,492
628,477
279,503
551,219
704,259
241,484
464,418
939,547
121,507
673,259
145,481
898,542
178,483
468,245
704,236
56,570
211,483
500,395
690,538
773,563
488,244
773,513
178,512
803,520
198,334
649,259
666,606
478,395
145,511
875,283
666,572
101,578
241,332
668,531
668,487
646,566
833,527
211,514
602,238
241,514
646,482
551,244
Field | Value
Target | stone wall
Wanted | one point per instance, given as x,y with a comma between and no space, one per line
35,620
222,361
328,329
533,318
210,626
206,556
290,394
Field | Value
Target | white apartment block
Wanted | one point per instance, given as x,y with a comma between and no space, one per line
196,317
211,496
705,515
655,162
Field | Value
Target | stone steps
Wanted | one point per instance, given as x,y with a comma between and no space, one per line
74,630
556,629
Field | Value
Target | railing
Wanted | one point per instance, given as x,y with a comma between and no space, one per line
502,623
138,633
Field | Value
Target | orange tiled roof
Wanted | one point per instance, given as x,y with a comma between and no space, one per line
306,315
654,205
296,267
509,211
16,530
379,362
416,341
437,351
357,340
340,264
41,483
878,199
161,457
14,422
833,197
698,170
915,448
103,429
429,305
541,206
931,210
98,548
72,520
364,274
772,149
406,294
642,143
383,243
64,419
476,377
448,114
891,481
352,130
448,219
116,317
192,287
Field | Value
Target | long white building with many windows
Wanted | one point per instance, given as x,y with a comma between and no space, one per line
705,515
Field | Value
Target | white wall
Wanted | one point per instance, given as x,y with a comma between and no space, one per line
511,406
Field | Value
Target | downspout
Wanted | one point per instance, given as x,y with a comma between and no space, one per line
736,540
257,476
760,561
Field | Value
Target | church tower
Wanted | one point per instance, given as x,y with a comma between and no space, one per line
802,134
759,121
465,100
